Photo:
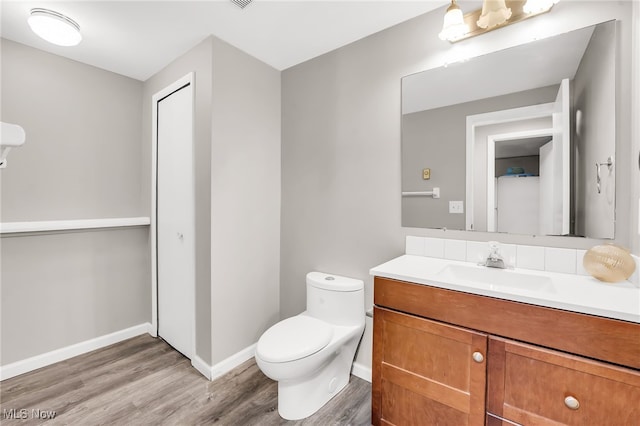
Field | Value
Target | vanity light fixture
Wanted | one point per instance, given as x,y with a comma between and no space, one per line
453,26
54,27
493,15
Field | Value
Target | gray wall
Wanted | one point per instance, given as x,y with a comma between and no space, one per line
81,160
436,139
62,289
594,95
198,60
237,170
245,204
341,147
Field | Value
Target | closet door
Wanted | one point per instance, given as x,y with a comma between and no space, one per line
175,219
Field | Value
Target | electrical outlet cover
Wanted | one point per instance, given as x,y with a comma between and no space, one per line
456,207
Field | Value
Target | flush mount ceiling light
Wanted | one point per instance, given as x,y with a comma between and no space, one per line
493,15
54,27
453,26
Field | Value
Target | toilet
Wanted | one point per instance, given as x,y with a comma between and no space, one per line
310,355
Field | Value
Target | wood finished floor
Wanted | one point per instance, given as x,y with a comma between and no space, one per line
143,381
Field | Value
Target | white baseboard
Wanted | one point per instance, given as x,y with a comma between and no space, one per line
199,364
224,366
232,362
151,330
48,358
210,372
359,370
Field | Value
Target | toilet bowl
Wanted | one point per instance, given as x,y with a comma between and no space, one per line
310,355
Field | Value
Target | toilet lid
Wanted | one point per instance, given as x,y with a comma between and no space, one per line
293,338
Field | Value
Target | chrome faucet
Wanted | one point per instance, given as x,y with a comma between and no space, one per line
494,260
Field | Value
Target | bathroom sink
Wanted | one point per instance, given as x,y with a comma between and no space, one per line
495,279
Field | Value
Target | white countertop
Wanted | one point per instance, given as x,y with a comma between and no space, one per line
571,292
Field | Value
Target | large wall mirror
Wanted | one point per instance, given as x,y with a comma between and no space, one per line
519,141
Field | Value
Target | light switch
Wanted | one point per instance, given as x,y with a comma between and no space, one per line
456,207
426,174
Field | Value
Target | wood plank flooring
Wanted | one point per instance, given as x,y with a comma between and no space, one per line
143,381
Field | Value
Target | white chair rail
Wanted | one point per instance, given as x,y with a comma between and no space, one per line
71,225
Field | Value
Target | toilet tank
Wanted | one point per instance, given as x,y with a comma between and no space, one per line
335,299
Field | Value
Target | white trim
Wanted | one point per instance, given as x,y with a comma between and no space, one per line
153,209
224,366
70,225
57,355
360,370
228,364
489,118
491,184
187,79
232,362
200,365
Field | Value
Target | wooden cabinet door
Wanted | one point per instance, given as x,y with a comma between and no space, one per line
424,372
530,385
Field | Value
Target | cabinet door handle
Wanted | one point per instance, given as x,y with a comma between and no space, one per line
478,357
572,402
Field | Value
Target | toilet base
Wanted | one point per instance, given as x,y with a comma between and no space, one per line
302,398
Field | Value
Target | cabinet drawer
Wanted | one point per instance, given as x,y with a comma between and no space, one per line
535,386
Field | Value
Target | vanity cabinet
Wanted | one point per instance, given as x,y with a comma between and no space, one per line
451,358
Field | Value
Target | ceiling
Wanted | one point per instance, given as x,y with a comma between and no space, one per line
138,38
540,63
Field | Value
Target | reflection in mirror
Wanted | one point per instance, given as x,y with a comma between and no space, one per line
516,150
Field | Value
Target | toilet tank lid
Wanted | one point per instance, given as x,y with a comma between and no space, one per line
333,282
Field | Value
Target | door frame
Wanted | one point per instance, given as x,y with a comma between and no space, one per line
485,119
187,80
492,225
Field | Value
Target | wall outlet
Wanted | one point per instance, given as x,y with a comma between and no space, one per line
456,207
426,174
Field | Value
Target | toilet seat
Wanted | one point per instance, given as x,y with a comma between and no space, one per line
294,338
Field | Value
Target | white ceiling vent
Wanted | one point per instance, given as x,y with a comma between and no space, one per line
241,3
